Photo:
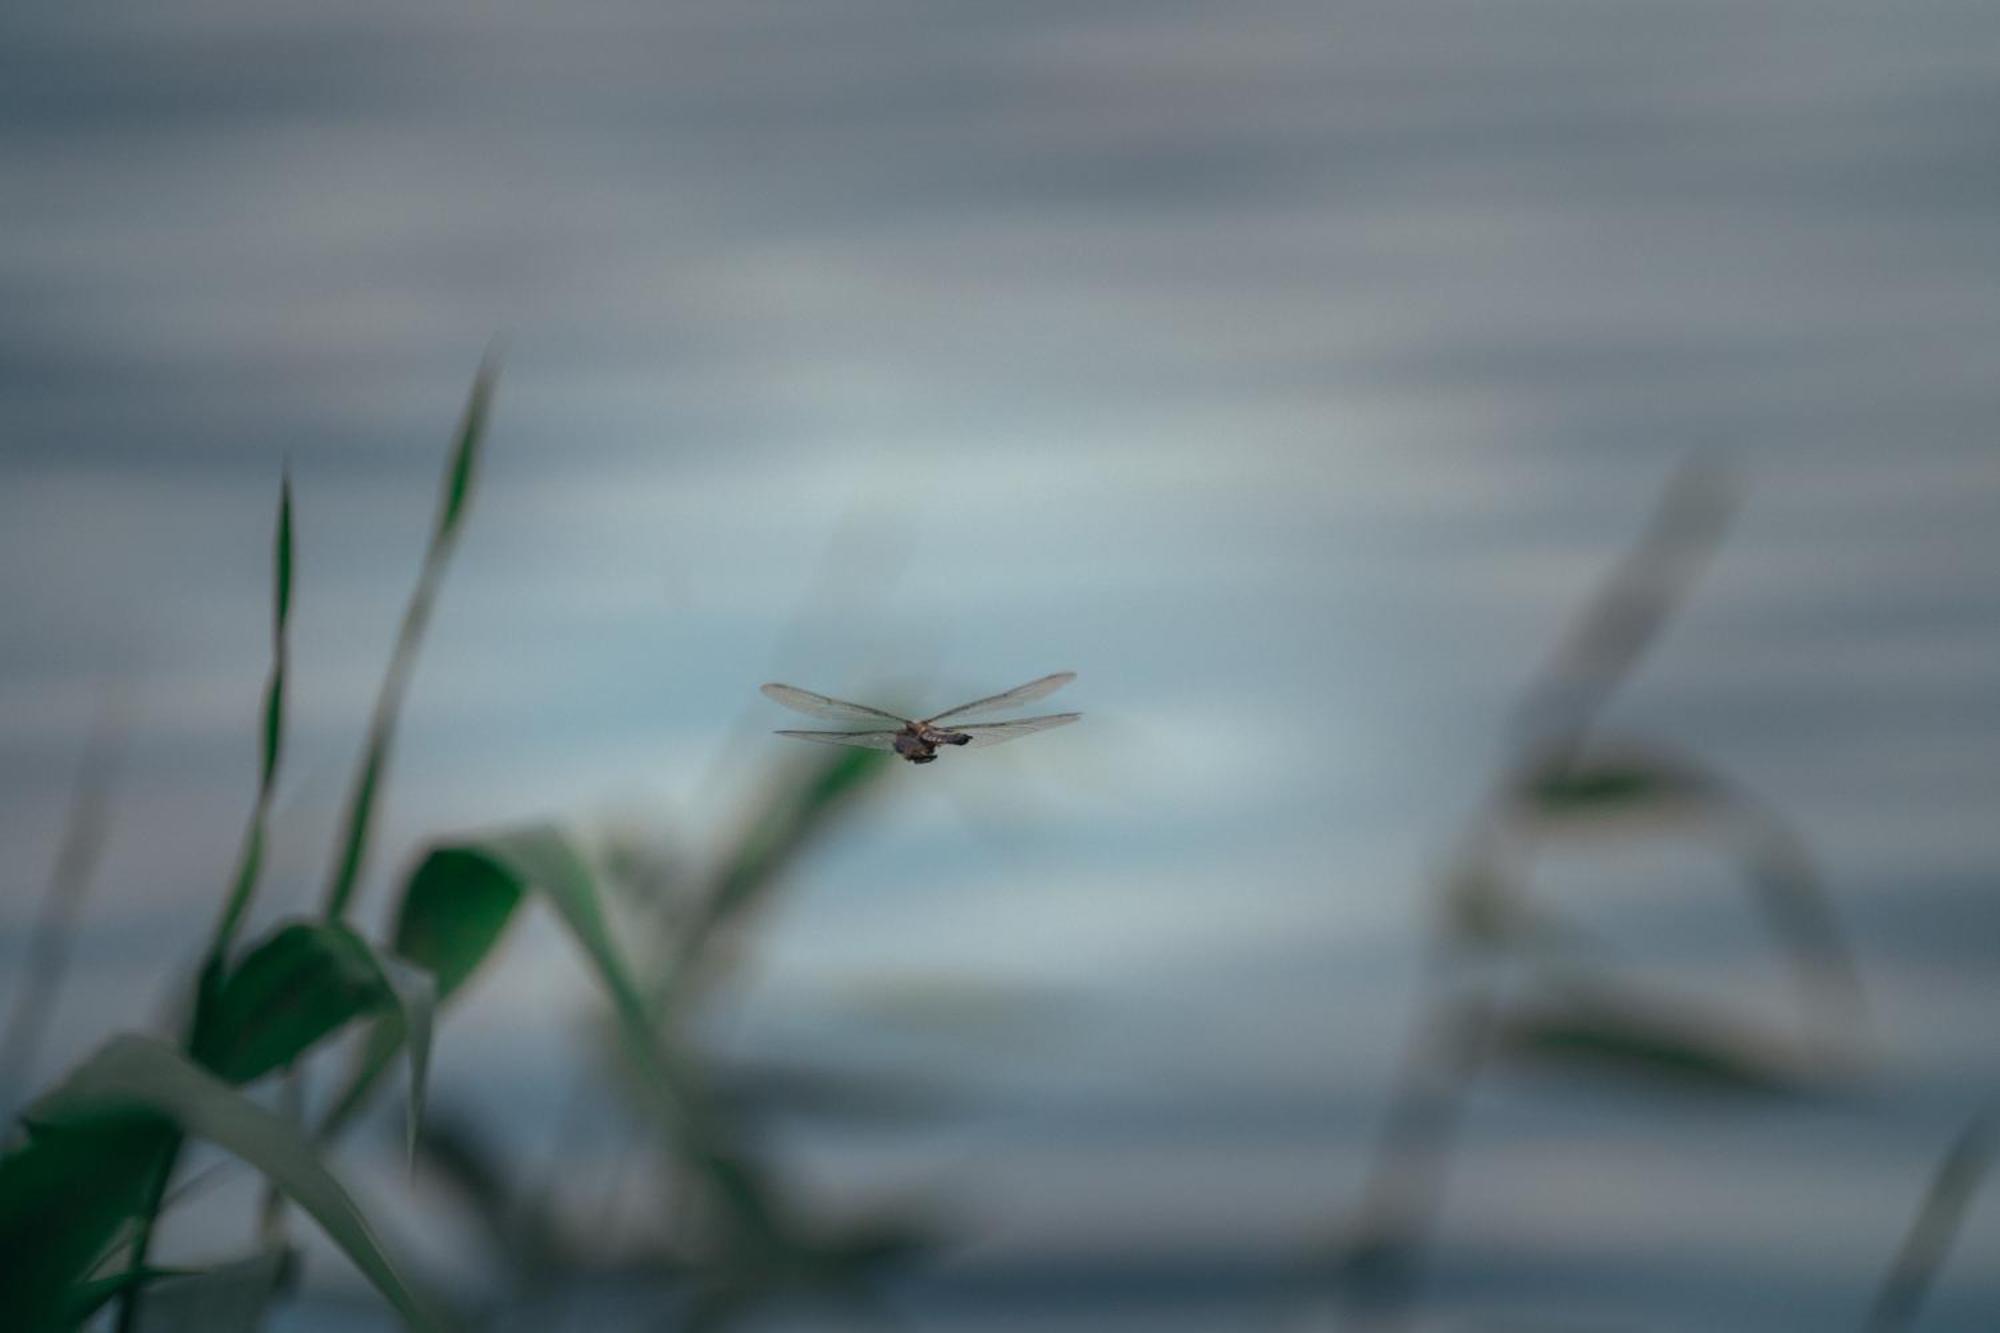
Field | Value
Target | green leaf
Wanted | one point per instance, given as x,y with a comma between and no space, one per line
302,985
230,1298
455,493
133,1075
460,471
1601,1035
63,1195
454,910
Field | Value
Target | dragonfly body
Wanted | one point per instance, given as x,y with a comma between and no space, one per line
917,740
918,743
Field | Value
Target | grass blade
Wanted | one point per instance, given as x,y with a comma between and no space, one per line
1632,606
351,850
1601,1033
229,1298
1934,1229
250,860
143,1075
786,824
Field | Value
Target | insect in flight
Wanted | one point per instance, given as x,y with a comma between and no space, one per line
918,740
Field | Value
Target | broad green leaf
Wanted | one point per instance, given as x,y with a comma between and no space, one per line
63,1195
304,983
133,1074
230,1298
1626,1040
455,492
454,910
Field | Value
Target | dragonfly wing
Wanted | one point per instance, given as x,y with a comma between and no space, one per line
865,740
992,733
818,705
1014,698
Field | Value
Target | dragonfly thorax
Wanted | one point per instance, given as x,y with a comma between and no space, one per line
918,743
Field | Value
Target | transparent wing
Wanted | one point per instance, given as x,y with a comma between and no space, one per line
865,740
1014,698
992,733
818,705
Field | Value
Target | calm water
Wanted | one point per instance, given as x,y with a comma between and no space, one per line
1290,371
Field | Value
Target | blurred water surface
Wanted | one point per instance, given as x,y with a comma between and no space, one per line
1288,370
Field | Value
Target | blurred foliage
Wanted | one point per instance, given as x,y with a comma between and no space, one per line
1517,989
1514,989
82,1193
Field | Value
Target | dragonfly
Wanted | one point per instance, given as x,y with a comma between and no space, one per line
917,740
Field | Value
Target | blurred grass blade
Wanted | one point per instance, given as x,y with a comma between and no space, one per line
1628,782
777,833
146,1075
1632,606
454,911
63,1196
1607,1035
543,858
528,1240
250,860
87,1298
1787,889
47,954
455,493
1934,1229
416,1003
230,1298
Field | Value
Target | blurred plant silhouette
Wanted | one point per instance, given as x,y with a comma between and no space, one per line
82,1195
1514,988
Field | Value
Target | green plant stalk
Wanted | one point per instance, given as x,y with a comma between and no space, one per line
356,826
250,861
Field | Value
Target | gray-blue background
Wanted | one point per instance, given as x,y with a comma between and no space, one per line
1288,370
